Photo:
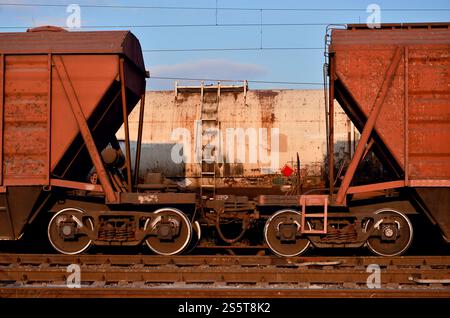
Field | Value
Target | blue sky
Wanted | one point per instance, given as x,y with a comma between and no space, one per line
261,65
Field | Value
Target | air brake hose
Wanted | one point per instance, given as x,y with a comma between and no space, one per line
227,240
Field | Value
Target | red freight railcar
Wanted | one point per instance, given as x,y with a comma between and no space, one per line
63,97
394,83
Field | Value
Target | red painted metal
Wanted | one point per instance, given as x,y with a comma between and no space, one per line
2,103
370,124
74,103
95,42
139,140
376,186
76,185
125,124
406,113
414,125
412,131
37,146
49,115
314,200
368,148
91,59
92,77
287,171
25,120
429,183
51,129
331,129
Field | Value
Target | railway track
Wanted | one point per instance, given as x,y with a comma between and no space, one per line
37,275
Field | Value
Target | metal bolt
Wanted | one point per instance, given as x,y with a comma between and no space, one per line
388,232
66,230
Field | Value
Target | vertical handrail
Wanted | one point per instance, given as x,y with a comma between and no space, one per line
49,116
331,127
125,123
139,140
406,113
2,106
329,100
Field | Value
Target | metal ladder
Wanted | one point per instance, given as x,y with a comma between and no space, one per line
314,200
210,127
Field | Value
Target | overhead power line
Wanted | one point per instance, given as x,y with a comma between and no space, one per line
234,49
214,8
183,25
232,80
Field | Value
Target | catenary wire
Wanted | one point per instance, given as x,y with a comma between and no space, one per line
214,8
232,80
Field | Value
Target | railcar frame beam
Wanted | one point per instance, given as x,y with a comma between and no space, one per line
139,140
331,126
125,124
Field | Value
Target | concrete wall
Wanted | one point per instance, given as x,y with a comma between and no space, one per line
296,118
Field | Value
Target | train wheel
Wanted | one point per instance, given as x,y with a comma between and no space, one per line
282,233
393,236
173,232
196,237
64,231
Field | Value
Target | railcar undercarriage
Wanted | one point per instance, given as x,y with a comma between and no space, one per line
226,222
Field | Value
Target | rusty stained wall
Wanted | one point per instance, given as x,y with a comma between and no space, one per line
298,114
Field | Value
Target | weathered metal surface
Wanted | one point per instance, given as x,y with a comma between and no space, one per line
278,200
15,208
2,106
25,120
412,131
220,260
297,114
157,198
98,42
376,187
420,91
137,161
44,74
75,106
370,124
76,185
123,94
437,200
28,81
91,76
220,292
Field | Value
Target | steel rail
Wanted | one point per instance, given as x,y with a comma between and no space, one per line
35,275
241,293
214,260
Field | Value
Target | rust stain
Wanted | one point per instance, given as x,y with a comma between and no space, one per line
267,101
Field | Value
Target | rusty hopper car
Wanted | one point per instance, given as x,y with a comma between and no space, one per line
394,84
64,95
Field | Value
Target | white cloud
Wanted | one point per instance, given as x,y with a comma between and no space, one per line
210,68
